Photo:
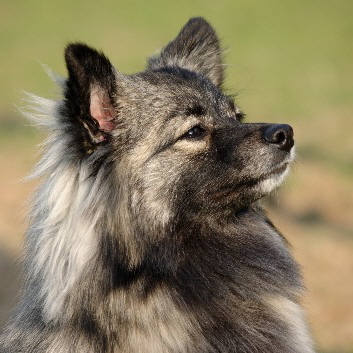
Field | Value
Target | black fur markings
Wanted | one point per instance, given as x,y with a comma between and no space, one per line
196,110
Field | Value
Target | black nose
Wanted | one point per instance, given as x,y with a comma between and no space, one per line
280,135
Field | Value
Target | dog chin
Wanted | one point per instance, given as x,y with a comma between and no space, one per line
273,181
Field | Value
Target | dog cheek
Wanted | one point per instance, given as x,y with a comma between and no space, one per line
158,191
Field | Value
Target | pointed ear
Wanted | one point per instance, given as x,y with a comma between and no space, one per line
196,48
90,91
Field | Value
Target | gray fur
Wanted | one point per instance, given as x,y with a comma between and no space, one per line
146,234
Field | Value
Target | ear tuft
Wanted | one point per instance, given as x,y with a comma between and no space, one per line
90,91
196,48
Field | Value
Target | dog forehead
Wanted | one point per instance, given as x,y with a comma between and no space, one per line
178,88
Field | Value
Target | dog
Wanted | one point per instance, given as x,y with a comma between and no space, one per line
147,234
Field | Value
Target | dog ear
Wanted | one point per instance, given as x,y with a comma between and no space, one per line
90,91
196,48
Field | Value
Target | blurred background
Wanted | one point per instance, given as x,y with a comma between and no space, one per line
288,61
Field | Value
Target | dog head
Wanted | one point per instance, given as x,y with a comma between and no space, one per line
177,141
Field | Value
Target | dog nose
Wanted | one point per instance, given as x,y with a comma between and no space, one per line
280,135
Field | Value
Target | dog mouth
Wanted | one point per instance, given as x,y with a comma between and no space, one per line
271,180
261,185
278,170
274,178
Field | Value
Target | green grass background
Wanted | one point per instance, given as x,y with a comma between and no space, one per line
289,61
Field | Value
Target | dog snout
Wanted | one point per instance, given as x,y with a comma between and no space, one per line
280,135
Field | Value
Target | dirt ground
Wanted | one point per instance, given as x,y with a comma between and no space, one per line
312,210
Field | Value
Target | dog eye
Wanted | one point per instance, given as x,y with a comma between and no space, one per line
195,132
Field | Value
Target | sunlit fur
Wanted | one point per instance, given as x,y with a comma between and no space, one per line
145,238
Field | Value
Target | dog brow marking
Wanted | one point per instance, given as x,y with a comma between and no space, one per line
196,110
